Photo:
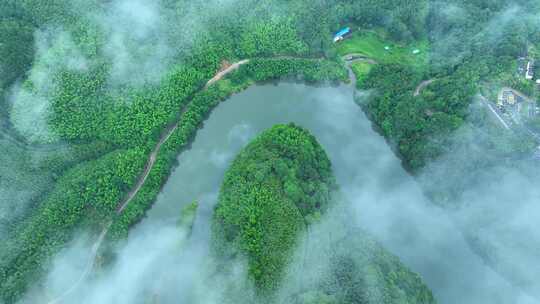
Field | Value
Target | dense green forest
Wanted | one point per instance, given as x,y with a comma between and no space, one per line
127,119
102,106
274,188
278,187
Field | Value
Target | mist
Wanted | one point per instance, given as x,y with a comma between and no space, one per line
497,207
27,140
31,105
455,33
163,263
138,40
378,196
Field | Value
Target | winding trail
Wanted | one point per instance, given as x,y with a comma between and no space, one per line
422,85
166,134
352,58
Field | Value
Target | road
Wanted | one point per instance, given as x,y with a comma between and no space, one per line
354,57
422,85
534,134
226,71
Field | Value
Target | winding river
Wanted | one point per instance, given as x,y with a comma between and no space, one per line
385,200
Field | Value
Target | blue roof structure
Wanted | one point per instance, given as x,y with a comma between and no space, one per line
342,32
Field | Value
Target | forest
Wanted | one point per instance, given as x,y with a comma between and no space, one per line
277,187
97,94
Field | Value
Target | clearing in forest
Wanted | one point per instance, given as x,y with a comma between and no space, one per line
374,45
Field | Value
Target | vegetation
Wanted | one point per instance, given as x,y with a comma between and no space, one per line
359,271
418,127
274,186
198,110
187,216
112,123
90,189
361,70
126,120
275,190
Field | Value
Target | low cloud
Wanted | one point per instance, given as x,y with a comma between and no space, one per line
135,41
31,101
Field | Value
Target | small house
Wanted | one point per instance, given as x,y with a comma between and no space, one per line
342,34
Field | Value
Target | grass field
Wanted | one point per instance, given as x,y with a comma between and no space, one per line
361,70
372,44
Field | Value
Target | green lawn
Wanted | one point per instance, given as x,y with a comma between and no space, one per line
361,70
373,45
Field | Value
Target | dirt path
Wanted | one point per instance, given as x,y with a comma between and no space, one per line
355,57
148,166
422,85
87,268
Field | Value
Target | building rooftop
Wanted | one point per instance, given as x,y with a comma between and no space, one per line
342,32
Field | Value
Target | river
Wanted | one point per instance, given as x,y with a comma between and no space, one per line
385,200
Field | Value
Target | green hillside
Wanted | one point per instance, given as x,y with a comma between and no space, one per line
278,187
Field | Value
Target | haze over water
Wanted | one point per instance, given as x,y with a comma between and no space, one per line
385,198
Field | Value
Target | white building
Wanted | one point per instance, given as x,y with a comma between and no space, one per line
530,72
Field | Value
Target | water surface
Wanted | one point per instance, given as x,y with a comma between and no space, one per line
385,199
